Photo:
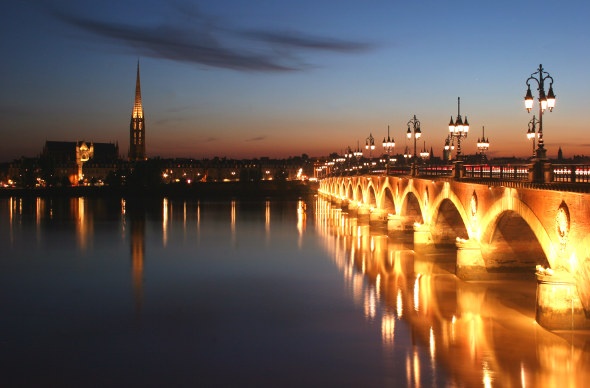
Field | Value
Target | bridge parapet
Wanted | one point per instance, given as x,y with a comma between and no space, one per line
571,173
541,175
503,172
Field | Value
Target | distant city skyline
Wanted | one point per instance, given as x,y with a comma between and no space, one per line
279,79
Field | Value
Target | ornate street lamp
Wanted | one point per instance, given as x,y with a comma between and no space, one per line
459,129
483,144
448,148
388,146
358,154
414,128
407,154
370,145
339,163
545,101
424,154
348,155
531,133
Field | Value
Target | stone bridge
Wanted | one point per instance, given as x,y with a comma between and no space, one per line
496,231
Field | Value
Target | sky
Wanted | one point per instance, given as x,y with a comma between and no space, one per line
273,78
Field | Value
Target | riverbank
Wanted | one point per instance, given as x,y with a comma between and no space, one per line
208,190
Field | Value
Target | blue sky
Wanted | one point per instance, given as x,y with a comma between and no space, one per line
256,78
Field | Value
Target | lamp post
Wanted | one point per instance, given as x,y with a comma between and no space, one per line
531,133
358,154
459,129
388,146
407,154
414,128
449,147
545,101
370,145
348,155
424,153
339,160
483,144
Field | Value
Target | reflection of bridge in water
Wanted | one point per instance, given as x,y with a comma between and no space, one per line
482,333
498,231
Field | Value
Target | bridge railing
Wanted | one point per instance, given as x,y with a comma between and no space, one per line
436,170
422,170
578,174
571,173
504,172
400,170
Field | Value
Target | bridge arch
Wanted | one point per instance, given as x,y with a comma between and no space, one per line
349,191
448,223
370,196
411,206
341,188
358,193
506,224
387,201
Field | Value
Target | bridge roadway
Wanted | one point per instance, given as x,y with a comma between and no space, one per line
496,230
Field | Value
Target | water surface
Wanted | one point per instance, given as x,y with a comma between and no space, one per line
97,292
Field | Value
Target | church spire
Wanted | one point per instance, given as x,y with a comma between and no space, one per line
137,126
137,107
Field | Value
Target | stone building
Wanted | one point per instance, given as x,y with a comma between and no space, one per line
79,161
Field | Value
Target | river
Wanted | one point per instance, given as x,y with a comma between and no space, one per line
114,292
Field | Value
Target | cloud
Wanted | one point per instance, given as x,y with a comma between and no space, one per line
257,138
297,40
198,39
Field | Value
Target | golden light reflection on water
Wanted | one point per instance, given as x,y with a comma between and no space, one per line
432,344
414,369
165,221
137,242
11,205
39,214
417,293
483,333
39,210
399,305
301,221
184,218
267,221
83,225
522,376
198,221
233,222
388,330
487,375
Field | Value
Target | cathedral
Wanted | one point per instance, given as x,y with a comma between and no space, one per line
82,161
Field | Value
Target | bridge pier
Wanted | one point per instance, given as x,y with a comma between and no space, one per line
470,264
353,208
378,216
558,304
344,204
394,223
336,201
422,237
363,214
